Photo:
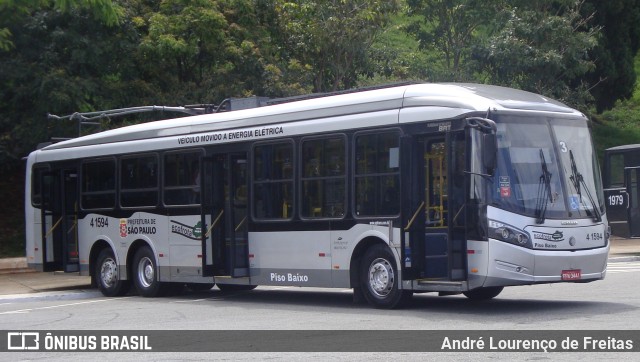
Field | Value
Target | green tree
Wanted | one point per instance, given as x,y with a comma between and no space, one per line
207,50
12,11
61,63
537,45
542,47
614,76
333,38
448,29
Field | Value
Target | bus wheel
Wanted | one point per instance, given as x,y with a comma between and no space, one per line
145,273
380,280
106,275
483,293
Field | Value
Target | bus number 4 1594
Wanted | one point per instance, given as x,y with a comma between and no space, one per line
99,222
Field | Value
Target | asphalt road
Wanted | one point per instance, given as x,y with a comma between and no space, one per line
610,304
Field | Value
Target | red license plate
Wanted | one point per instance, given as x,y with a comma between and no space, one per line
574,274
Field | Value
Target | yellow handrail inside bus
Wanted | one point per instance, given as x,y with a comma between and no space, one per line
75,222
53,228
241,223
215,222
413,218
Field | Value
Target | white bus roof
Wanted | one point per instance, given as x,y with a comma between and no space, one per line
624,147
470,97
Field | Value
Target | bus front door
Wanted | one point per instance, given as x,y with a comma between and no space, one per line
224,215
59,220
436,210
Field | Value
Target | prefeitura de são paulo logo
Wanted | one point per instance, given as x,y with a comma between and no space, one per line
123,228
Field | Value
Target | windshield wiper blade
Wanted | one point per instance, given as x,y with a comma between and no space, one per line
577,180
544,191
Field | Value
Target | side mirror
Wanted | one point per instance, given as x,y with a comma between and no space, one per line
489,152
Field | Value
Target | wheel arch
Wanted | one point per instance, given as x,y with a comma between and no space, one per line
96,248
356,257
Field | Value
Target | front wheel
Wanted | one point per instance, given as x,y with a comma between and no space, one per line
380,280
483,293
106,275
145,273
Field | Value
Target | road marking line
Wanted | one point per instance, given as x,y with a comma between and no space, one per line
60,306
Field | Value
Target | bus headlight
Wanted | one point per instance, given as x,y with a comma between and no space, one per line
509,234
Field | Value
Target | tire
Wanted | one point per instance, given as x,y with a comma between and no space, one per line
199,287
379,279
144,273
106,275
235,287
484,293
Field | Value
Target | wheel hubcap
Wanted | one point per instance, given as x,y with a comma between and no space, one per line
381,277
109,273
145,272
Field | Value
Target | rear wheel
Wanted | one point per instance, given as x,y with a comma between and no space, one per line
106,275
484,293
145,273
380,280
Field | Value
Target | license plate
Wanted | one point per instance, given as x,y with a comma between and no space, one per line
574,274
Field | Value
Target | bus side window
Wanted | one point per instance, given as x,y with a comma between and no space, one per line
323,179
273,181
36,186
139,181
377,174
98,184
616,170
182,178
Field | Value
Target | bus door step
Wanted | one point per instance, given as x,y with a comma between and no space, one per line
240,272
228,279
439,285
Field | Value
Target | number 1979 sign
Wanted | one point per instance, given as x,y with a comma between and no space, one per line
617,199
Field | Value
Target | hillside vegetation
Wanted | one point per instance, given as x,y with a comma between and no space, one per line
66,56
620,125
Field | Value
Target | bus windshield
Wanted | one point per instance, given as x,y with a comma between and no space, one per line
547,168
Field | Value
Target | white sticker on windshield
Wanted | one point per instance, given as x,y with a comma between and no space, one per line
563,146
505,186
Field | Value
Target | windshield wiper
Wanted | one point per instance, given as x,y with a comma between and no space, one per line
544,191
577,180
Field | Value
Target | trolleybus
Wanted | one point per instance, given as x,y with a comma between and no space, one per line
447,188
621,172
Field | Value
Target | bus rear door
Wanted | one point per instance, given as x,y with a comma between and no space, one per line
60,220
224,215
